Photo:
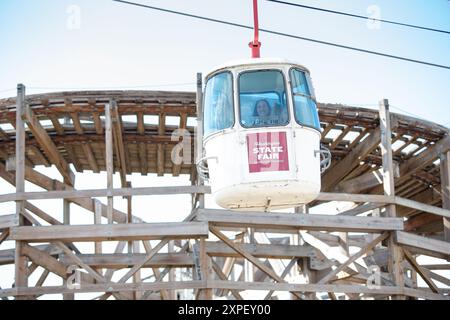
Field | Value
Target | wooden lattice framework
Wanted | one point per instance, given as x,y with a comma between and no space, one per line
394,169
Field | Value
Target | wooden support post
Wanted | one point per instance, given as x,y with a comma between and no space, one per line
142,145
98,220
249,270
121,152
109,159
171,249
199,136
66,220
160,156
206,267
395,253
445,191
21,278
137,276
304,262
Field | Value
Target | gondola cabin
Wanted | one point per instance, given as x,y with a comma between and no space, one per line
261,135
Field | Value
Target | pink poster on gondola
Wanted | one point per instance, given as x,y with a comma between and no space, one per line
267,151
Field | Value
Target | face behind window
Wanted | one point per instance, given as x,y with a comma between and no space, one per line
262,97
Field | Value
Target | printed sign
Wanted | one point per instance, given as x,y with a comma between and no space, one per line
267,151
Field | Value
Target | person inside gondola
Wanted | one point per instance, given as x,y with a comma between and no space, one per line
264,115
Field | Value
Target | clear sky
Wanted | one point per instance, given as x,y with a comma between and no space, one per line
120,46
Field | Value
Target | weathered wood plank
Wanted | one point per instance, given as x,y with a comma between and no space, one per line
420,271
118,141
218,249
343,288
422,207
124,192
48,145
7,221
7,256
238,248
299,221
365,181
423,245
346,165
105,287
329,196
45,260
445,190
141,231
119,261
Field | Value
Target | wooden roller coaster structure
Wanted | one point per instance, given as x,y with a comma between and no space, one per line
392,171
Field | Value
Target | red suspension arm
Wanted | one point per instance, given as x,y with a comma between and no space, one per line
255,44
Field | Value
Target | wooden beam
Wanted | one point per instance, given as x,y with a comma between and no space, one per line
69,148
226,218
223,277
238,248
20,260
41,214
123,192
98,123
328,196
8,221
414,164
346,165
87,149
270,251
283,275
98,220
160,149
422,207
116,232
423,245
122,260
445,190
118,142
341,136
4,235
34,151
420,271
45,260
104,287
55,122
142,145
7,256
109,151
353,258
4,136
160,164
360,209
429,196
158,275
365,181
50,184
395,253
420,220
48,145
342,288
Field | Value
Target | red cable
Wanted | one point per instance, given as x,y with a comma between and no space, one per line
255,44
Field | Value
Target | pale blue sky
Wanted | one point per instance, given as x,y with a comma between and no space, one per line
120,45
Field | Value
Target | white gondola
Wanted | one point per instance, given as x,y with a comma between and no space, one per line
261,135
